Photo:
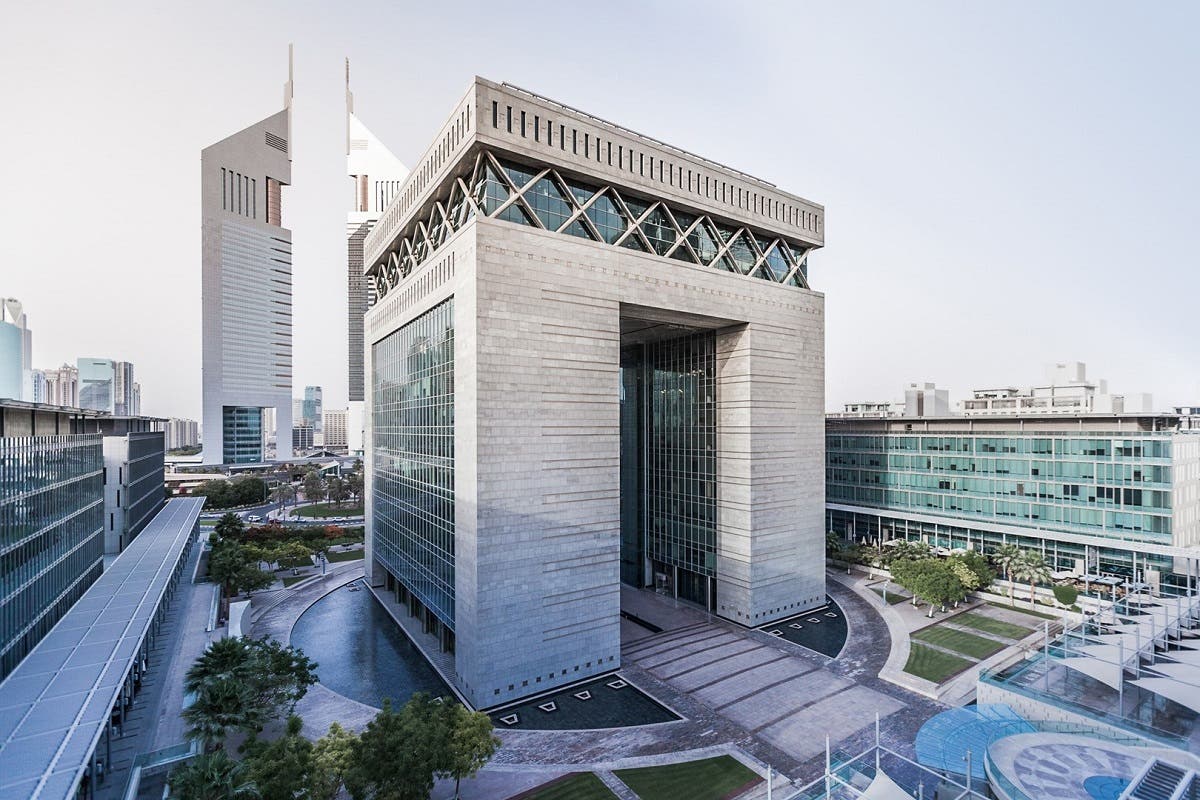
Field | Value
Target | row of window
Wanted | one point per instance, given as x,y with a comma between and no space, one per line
239,193
1116,448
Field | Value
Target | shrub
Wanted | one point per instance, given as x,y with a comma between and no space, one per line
1066,595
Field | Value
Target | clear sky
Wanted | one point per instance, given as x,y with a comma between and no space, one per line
1006,184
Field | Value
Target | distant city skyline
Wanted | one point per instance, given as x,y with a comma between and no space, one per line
993,213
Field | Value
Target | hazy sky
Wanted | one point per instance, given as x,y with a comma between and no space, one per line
1005,184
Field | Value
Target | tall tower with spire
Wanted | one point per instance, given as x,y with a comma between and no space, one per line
376,175
246,261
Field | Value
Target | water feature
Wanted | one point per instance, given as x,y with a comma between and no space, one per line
360,650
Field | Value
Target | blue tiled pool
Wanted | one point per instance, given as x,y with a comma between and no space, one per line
360,650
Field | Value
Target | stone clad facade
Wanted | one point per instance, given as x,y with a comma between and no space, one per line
540,318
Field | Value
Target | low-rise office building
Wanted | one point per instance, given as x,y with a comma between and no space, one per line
134,456
1115,493
51,520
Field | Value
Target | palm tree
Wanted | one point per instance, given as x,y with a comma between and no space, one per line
1033,569
283,493
228,657
1006,557
212,776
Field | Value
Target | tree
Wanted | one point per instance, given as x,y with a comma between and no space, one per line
229,526
241,683
282,768
1066,595
471,743
283,493
1031,568
314,486
978,564
292,554
336,490
1006,557
398,754
212,776
331,757
222,705
354,482
225,562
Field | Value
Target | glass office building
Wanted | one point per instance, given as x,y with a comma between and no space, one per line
413,449
51,525
97,384
1090,492
242,429
669,466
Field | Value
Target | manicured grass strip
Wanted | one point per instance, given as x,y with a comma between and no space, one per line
707,779
933,665
1028,611
580,786
893,597
345,555
330,510
959,641
989,625
290,579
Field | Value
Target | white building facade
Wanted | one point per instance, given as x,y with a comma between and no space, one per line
377,175
602,357
247,290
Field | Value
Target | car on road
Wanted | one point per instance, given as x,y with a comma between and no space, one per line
254,518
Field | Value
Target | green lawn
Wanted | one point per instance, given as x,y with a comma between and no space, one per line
345,555
959,641
893,597
933,665
321,510
707,779
1028,611
580,786
290,579
994,626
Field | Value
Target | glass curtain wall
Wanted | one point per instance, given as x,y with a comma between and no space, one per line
243,439
669,465
51,534
413,487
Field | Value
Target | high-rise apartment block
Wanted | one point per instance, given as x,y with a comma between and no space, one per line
247,290
335,429
377,176
593,358
180,433
62,386
16,351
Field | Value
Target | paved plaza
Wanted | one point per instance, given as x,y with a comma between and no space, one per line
740,691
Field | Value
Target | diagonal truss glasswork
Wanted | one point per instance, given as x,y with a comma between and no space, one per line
542,198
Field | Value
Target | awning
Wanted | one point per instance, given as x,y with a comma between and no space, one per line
1187,695
1103,671
884,788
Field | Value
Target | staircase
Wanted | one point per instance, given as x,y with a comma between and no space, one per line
1161,780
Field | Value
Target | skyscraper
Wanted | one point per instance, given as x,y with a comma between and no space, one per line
97,384
16,351
594,358
377,175
123,389
247,289
62,386
312,408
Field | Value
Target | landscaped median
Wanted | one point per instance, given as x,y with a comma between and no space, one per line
957,643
